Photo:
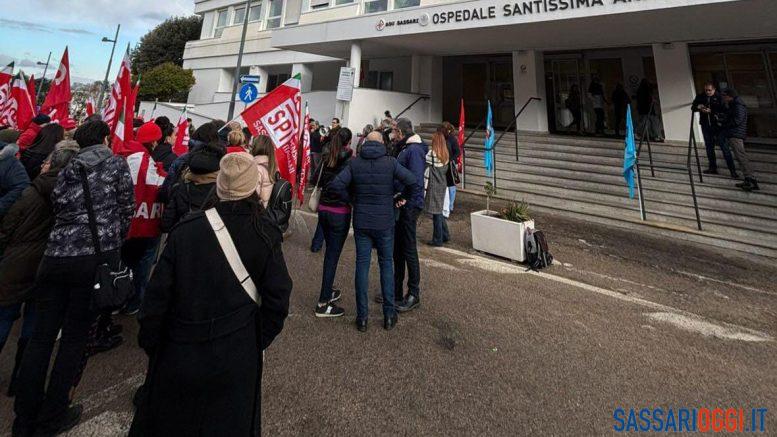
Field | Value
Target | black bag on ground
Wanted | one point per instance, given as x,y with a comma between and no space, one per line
537,254
280,204
112,286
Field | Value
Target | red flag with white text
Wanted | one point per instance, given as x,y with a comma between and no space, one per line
57,103
181,145
277,115
305,168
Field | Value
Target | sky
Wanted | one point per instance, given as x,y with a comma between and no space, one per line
29,29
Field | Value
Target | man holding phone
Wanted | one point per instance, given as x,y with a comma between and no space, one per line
709,105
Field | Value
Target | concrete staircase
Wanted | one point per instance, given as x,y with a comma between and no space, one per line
582,176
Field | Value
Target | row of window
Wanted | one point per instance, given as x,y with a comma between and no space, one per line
273,19
275,11
370,6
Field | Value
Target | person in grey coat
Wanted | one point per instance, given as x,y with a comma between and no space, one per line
436,187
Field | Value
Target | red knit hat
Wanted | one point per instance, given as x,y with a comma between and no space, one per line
148,133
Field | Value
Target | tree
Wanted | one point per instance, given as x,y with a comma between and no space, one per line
166,82
165,43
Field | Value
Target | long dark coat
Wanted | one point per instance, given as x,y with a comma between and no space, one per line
23,235
203,334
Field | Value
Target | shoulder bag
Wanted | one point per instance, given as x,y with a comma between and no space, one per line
233,257
315,196
112,287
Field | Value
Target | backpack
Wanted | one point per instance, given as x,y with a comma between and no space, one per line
280,204
537,254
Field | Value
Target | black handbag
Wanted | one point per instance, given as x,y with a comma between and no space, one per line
452,175
112,286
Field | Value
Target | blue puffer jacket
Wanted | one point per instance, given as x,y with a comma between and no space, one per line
413,157
13,177
735,125
368,182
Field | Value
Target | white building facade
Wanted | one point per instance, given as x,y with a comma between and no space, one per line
431,54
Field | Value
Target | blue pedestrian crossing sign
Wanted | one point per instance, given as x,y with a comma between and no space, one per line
248,93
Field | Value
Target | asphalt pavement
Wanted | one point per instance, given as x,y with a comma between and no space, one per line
622,320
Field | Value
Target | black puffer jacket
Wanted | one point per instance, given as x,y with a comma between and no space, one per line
368,182
164,153
735,125
186,197
113,196
23,236
329,197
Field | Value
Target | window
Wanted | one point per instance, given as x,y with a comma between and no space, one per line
379,80
398,4
371,6
319,4
343,2
275,14
255,14
240,15
221,22
274,80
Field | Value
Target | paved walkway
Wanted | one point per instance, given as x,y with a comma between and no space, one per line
624,320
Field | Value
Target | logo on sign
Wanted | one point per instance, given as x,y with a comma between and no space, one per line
281,123
381,24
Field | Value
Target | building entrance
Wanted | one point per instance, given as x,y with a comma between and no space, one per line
583,87
478,80
752,70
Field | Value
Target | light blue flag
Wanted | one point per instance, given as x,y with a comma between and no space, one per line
488,159
630,154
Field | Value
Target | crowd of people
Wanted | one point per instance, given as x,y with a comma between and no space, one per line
71,202
380,189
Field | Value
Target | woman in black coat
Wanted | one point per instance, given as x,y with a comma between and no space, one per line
32,157
24,232
202,332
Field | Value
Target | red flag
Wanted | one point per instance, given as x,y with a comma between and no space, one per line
305,169
119,92
20,106
57,103
124,132
31,92
6,79
461,134
90,107
277,115
181,145
148,177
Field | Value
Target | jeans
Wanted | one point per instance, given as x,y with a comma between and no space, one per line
383,241
440,232
406,253
335,229
64,302
712,138
10,314
315,161
452,196
318,238
139,254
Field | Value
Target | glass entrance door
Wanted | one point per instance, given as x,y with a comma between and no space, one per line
567,91
753,73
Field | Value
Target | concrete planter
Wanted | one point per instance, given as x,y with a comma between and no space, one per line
496,236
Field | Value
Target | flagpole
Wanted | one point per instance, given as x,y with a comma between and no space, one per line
236,79
110,60
46,69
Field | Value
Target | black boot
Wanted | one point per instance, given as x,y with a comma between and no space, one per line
21,345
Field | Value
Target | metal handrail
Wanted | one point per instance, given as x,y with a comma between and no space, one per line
513,122
411,105
688,167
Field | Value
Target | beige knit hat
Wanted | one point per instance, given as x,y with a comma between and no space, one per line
238,176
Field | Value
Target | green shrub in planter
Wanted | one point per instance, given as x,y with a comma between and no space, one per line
516,212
